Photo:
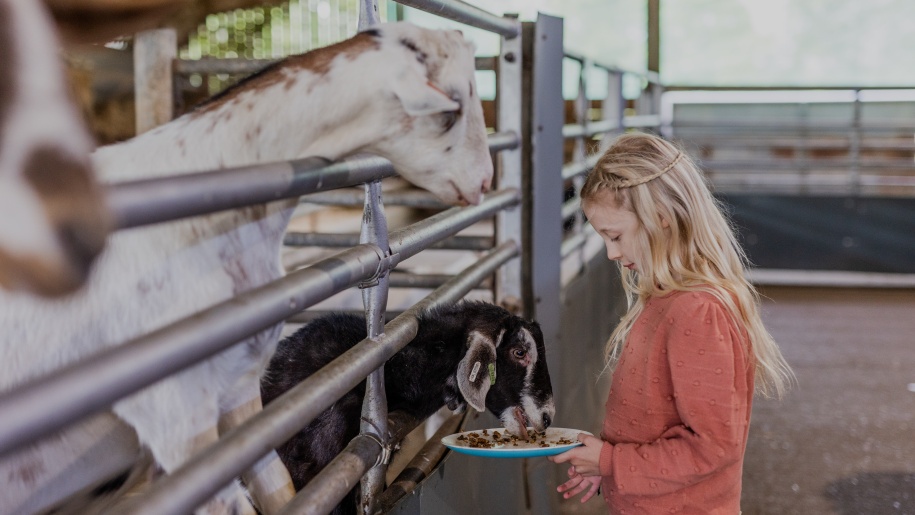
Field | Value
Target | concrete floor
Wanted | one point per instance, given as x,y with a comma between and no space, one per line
842,442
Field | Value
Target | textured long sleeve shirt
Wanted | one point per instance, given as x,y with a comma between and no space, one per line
677,417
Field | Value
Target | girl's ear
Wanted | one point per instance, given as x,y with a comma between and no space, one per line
664,223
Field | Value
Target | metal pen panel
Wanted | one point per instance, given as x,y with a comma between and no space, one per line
206,473
45,404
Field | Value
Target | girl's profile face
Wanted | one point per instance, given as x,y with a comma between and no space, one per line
618,226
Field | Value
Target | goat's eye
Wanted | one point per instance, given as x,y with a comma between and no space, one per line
449,118
519,353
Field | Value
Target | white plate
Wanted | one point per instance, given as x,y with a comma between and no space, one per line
521,449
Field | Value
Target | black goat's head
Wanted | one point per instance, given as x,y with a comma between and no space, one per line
505,370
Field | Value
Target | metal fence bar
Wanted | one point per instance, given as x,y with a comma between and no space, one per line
641,121
727,128
577,168
572,244
310,239
150,201
206,473
467,14
227,65
485,63
505,139
416,237
46,404
571,208
412,197
242,66
574,130
308,315
798,163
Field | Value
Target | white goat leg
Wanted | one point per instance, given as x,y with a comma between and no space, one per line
268,480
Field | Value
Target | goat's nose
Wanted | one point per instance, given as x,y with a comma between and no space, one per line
547,420
486,185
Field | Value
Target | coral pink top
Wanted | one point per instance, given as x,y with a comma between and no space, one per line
677,417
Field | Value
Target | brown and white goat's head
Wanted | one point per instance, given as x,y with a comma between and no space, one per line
441,145
53,222
505,371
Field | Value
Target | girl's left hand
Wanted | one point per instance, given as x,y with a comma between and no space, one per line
577,484
585,458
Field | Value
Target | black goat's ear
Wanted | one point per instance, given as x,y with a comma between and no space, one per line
476,373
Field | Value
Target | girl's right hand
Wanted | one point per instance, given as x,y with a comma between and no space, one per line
578,484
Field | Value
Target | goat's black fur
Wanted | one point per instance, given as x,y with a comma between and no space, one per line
419,379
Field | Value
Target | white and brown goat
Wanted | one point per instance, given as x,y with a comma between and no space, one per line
398,91
472,353
53,221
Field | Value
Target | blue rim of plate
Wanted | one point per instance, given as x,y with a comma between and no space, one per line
451,442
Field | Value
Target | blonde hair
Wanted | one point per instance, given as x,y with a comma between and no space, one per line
697,250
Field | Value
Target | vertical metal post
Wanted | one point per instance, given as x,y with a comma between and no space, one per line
543,193
580,150
657,91
508,292
854,172
368,14
614,105
154,52
543,54
803,162
654,35
375,299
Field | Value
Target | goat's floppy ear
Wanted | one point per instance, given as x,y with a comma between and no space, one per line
420,97
477,372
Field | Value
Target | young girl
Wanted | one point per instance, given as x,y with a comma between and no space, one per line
689,354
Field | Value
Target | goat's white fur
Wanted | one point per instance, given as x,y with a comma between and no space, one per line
37,116
152,276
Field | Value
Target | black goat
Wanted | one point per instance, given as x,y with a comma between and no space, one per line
468,353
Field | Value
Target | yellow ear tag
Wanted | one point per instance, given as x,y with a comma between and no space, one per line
492,373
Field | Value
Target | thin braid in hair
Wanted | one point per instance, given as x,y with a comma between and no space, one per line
628,183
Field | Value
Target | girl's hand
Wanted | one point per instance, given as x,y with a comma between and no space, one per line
578,484
585,459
